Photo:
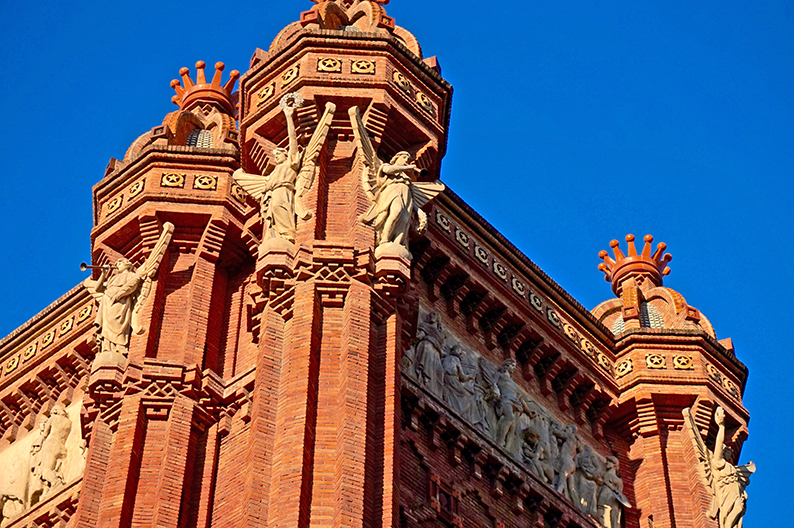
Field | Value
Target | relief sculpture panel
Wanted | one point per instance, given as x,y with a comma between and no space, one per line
42,462
491,401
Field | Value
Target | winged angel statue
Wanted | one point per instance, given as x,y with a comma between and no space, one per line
395,197
280,192
725,481
122,295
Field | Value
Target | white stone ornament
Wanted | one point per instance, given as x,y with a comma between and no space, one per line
281,192
491,401
725,481
396,199
121,297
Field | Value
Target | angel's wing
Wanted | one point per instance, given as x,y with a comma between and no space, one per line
149,267
704,459
254,184
369,177
423,192
311,154
744,473
147,271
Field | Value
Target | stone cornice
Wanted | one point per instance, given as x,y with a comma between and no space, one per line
515,257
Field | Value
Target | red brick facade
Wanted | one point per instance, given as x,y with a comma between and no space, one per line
274,390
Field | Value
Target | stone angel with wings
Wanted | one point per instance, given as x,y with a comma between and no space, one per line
122,295
280,193
396,198
725,481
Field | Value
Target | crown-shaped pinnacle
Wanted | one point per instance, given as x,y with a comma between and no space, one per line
348,3
203,90
200,79
651,266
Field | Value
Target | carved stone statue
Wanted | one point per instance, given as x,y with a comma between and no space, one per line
280,193
458,389
395,198
48,453
611,499
726,482
566,462
586,479
492,401
481,413
428,367
122,295
536,454
509,408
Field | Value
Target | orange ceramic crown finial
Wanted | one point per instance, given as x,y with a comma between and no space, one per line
651,267
201,90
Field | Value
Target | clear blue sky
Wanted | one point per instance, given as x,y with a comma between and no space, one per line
573,123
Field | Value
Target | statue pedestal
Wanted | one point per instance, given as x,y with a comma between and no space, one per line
276,258
392,269
110,359
393,250
107,373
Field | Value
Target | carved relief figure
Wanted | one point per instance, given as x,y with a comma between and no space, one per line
566,463
396,199
492,401
280,193
610,495
13,483
458,384
536,455
428,367
122,295
586,479
481,413
509,409
726,481
48,453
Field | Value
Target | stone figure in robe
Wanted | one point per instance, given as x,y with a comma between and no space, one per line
458,384
396,199
280,193
586,478
427,356
481,413
121,295
726,481
536,454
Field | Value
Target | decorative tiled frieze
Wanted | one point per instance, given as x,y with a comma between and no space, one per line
501,271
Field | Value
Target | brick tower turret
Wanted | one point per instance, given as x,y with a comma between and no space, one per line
329,325
667,359
303,335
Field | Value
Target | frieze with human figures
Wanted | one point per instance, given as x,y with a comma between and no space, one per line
490,400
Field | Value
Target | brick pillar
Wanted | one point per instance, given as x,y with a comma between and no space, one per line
331,452
96,468
290,485
121,485
392,351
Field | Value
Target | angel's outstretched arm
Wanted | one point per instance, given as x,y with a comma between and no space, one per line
96,286
289,112
395,169
719,443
